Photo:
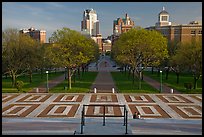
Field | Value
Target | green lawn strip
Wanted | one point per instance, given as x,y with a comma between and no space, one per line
171,81
36,81
81,85
125,84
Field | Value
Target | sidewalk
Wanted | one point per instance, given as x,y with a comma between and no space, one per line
51,83
93,126
156,84
104,82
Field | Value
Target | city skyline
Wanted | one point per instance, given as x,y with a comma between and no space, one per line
51,16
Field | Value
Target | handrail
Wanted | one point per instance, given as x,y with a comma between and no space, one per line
125,115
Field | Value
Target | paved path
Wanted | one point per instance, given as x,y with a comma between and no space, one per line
55,114
104,82
22,126
51,84
156,84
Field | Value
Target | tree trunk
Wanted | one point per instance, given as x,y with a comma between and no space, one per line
125,69
195,81
69,78
13,80
74,76
129,71
41,72
78,72
158,72
30,74
133,76
83,70
152,70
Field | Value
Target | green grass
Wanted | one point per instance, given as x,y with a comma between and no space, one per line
36,81
125,84
81,85
171,82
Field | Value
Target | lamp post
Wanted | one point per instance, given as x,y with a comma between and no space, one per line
47,88
65,75
140,80
160,81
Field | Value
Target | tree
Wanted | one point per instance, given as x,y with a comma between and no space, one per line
30,53
169,62
189,55
140,48
14,57
44,55
71,49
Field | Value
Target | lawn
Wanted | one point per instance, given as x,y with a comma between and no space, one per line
171,81
81,85
125,84
36,81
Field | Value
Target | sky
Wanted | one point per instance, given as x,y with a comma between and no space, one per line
52,16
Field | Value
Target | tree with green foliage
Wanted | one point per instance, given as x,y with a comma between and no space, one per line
140,48
189,56
30,54
15,47
71,49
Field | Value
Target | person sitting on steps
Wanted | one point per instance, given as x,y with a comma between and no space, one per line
136,115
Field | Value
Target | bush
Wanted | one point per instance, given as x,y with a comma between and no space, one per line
19,85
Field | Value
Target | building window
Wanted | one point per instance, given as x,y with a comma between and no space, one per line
176,31
200,32
164,18
193,32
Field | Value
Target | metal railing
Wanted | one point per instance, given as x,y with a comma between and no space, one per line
125,114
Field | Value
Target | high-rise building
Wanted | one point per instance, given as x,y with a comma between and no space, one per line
39,35
90,22
177,32
90,26
122,25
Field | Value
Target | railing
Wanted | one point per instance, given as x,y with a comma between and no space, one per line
125,115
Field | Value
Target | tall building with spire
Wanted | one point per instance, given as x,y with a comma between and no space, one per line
90,26
90,22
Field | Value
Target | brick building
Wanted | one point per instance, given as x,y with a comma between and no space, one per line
177,32
122,25
39,35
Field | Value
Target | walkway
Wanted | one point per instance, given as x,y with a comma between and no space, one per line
104,82
51,83
156,84
46,113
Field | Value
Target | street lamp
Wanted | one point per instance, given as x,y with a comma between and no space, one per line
160,81
65,75
47,88
140,79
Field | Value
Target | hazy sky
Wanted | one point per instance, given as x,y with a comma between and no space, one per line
56,15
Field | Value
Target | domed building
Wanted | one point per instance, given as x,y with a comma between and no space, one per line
163,18
106,45
177,32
